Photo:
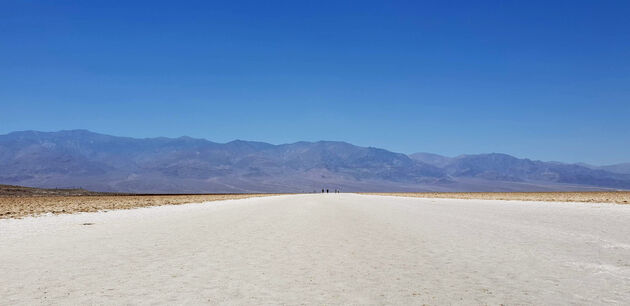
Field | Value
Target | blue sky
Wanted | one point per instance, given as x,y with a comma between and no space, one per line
545,80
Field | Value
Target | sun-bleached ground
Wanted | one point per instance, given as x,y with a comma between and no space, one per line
22,206
619,197
322,249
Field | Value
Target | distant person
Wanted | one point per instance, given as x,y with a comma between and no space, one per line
326,190
322,190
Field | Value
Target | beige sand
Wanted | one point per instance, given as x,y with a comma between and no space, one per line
21,206
322,249
619,197
35,201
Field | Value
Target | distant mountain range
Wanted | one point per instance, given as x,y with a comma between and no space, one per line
83,159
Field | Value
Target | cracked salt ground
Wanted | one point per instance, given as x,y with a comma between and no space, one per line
322,249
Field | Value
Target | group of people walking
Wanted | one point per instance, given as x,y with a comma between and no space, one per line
327,191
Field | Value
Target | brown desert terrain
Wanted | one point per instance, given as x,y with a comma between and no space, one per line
619,197
18,201
21,191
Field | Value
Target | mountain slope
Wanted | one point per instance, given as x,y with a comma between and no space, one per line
431,159
623,168
503,167
100,162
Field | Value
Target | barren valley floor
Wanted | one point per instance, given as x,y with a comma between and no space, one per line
619,197
18,202
322,249
18,207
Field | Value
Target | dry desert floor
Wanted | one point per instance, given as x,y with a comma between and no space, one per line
619,197
322,249
22,206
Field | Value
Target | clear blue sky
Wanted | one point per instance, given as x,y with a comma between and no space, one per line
545,80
